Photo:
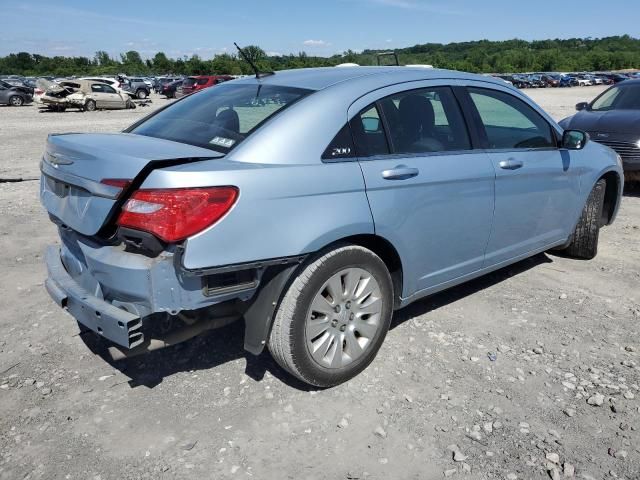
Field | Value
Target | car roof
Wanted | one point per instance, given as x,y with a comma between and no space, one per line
324,77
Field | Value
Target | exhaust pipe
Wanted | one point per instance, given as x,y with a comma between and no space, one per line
172,338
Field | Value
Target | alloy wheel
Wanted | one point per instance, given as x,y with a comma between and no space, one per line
343,318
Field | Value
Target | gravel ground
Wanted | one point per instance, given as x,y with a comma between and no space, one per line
530,372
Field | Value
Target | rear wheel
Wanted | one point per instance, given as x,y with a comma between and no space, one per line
90,106
584,243
16,101
334,317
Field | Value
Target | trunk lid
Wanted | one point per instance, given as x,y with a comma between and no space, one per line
74,165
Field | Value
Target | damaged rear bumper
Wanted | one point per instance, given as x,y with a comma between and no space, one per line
117,325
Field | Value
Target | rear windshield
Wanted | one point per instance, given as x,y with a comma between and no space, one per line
219,118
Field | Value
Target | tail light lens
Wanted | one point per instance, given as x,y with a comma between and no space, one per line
177,213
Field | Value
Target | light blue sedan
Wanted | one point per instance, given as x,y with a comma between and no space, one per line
313,204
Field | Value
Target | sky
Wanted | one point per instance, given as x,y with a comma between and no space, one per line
326,27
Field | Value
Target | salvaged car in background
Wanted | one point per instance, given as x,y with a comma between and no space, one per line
15,95
313,204
85,95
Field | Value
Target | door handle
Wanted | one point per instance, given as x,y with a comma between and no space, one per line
511,164
401,172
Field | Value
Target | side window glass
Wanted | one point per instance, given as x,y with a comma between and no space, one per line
426,120
509,122
341,146
96,88
368,133
108,89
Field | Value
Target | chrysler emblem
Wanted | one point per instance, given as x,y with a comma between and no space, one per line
56,159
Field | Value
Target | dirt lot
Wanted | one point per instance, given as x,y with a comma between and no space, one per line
500,371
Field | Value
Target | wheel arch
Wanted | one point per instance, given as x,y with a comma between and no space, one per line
611,196
387,253
260,311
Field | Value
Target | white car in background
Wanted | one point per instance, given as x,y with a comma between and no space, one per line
108,80
584,81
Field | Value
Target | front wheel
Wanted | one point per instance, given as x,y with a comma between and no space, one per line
584,243
334,316
141,94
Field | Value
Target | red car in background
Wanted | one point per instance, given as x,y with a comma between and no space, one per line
200,82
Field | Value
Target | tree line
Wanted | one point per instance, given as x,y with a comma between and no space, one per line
484,56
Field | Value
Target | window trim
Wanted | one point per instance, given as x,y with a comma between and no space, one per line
474,144
425,154
479,126
385,131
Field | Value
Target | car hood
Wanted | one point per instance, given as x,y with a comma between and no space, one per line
613,121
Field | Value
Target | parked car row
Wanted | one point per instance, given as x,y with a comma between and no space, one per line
546,79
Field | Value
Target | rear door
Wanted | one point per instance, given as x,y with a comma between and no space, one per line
431,194
536,183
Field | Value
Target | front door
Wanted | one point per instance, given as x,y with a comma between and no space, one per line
430,193
536,184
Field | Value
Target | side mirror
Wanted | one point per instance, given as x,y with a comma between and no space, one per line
574,139
582,106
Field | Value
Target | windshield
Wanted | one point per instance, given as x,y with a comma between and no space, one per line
624,97
219,118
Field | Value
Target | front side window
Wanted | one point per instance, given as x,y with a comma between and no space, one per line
219,118
368,133
424,121
108,89
509,122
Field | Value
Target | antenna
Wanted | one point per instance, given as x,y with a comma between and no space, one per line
258,73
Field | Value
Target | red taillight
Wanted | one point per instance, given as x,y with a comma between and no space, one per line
121,183
177,213
116,182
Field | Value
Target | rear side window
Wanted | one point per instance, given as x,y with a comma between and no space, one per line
368,133
509,122
219,118
425,120
97,87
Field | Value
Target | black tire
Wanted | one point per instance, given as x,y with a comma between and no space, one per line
130,104
584,243
90,106
16,101
141,94
287,342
